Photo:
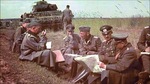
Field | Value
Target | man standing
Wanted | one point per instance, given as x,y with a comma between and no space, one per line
33,47
124,70
67,17
144,46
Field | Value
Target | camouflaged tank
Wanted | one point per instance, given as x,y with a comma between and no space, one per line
47,14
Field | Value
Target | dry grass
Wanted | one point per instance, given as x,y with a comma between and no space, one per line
31,73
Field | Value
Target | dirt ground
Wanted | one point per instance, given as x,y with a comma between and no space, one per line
8,71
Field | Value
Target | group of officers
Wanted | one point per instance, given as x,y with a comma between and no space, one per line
117,56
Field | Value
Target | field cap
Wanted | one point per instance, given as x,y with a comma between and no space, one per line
119,37
84,29
105,29
70,27
34,23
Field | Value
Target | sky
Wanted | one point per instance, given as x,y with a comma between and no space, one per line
81,8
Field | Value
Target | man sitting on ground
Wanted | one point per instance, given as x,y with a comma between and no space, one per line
124,70
33,47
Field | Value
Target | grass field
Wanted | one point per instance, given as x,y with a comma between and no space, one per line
30,73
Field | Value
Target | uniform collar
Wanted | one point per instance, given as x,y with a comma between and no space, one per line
30,32
109,41
88,40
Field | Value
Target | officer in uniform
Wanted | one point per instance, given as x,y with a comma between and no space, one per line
123,71
144,46
71,41
71,45
67,17
19,31
33,47
107,49
89,45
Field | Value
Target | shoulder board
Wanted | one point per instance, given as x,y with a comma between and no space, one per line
146,27
95,37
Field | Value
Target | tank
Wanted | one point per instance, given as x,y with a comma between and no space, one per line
47,14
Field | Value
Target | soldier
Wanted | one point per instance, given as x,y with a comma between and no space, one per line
33,47
89,45
71,41
67,17
106,51
19,31
123,71
71,46
144,46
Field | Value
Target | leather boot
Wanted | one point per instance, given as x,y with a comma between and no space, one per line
83,74
73,70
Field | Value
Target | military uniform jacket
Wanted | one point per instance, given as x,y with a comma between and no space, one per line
33,49
71,47
71,44
107,52
123,72
144,40
91,46
20,30
32,46
67,15
16,44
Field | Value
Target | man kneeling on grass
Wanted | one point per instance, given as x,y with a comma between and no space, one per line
33,47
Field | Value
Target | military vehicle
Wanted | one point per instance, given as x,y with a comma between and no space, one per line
47,14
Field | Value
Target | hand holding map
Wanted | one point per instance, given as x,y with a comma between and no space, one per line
90,62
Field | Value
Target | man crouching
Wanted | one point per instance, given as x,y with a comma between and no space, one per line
33,47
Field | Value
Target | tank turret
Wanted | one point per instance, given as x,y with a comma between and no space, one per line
46,13
44,6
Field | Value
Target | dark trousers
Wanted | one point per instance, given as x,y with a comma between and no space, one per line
146,62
